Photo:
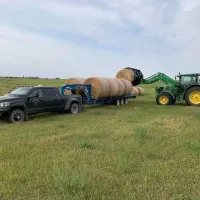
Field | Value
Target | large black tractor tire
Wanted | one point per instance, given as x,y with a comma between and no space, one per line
164,99
192,96
17,116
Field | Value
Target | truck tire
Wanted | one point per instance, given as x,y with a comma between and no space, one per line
74,108
192,96
125,100
164,99
17,116
122,102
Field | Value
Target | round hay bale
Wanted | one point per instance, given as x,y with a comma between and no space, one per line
100,87
141,91
126,74
128,86
68,92
71,81
135,91
138,76
75,81
114,87
122,87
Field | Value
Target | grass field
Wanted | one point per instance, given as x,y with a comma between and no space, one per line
138,151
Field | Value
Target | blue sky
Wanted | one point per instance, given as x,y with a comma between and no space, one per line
84,38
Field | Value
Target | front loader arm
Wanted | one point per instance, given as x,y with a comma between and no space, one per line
159,77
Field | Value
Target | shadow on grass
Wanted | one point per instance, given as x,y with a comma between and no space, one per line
37,116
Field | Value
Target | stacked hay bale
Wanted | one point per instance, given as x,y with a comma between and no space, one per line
123,84
108,87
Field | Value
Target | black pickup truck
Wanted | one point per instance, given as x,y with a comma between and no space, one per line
30,100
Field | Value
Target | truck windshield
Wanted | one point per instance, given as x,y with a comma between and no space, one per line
21,91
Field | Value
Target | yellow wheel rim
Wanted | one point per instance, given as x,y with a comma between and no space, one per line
195,97
163,100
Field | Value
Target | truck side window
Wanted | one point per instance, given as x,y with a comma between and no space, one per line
33,94
49,93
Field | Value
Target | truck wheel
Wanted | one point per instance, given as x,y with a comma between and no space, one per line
126,100
122,102
17,116
164,99
74,108
192,96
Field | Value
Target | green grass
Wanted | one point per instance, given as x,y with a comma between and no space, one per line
138,151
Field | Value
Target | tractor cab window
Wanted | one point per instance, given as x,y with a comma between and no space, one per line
187,79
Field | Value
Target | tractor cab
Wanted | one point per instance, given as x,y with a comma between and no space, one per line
188,79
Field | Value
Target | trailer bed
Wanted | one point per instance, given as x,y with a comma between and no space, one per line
87,98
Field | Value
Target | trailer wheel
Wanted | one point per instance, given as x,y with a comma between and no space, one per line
117,102
126,100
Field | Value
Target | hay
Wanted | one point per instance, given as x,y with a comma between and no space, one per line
141,91
100,87
126,74
128,86
71,81
135,91
75,81
114,87
122,87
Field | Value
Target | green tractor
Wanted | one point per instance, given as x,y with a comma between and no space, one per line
186,88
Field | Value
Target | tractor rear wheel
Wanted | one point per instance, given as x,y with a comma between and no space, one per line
192,96
164,99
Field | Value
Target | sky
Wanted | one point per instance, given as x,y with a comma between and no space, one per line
86,38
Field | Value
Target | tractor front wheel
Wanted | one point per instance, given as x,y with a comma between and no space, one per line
192,96
164,99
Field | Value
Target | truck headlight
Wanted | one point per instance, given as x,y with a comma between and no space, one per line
4,104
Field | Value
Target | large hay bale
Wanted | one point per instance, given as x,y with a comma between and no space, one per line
128,86
100,87
114,87
141,91
75,81
122,87
71,81
135,91
126,74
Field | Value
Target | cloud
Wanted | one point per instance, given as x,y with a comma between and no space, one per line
97,38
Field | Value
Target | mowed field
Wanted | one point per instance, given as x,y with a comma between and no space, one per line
138,151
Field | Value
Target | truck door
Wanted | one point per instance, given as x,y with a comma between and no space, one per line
34,103
52,101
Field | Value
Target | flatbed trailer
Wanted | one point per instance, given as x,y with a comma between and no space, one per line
87,97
